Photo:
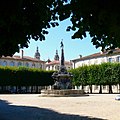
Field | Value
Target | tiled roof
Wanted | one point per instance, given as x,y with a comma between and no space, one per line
96,55
27,58
32,59
57,62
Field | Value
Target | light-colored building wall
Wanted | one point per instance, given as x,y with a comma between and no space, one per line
22,60
96,89
97,58
55,65
7,61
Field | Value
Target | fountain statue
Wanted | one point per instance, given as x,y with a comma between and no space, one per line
62,77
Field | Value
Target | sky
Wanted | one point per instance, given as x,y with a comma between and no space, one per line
72,47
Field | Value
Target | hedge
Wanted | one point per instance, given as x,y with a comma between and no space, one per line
23,76
103,74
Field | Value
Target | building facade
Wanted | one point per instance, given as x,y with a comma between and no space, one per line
23,61
55,64
30,62
97,58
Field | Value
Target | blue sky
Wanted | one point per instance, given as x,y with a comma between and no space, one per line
72,47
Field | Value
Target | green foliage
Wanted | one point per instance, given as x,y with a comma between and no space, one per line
100,18
23,76
83,75
103,74
79,76
21,20
75,73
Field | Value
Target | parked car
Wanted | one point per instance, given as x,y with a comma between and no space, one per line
117,97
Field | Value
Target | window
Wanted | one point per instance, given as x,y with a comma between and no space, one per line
4,63
52,67
27,64
68,68
33,65
48,67
58,67
110,59
19,64
55,67
118,59
40,66
12,63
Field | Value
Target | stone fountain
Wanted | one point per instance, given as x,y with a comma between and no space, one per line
62,77
62,85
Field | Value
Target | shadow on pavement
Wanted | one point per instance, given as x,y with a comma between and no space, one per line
14,112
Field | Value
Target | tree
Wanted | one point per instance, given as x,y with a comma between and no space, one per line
75,81
111,80
100,18
83,76
100,75
21,20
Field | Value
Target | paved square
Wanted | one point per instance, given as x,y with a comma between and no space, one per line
33,107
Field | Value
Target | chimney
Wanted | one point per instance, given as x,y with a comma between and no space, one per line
22,53
80,56
101,52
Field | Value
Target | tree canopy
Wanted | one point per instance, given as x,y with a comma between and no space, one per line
100,18
21,20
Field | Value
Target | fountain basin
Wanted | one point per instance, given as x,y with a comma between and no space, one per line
62,93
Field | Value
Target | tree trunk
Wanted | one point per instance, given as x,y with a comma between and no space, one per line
16,89
26,87
36,89
100,91
2,88
19,89
90,89
110,89
119,87
82,87
31,89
